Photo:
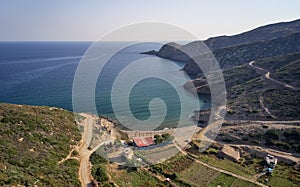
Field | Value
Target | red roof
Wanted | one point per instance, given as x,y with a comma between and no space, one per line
143,141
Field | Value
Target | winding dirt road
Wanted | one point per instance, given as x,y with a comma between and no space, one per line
267,76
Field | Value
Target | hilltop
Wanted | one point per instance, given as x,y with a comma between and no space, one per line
33,141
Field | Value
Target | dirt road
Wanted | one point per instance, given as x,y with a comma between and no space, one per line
85,165
220,170
267,76
85,150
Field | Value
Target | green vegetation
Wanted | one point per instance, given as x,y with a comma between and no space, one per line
246,84
226,181
33,141
95,158
283,175
243,168
283,103
161,138
185,172
272,134
99,173
287,139
198,175
239,75
135,178
248,166
283,68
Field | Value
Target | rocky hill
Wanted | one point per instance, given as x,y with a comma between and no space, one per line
241,54
32,142
268,32
268,89
266,41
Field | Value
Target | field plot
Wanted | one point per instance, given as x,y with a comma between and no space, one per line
198,175
125,177
238,168
158,154
229,181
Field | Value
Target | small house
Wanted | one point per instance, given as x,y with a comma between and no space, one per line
229,153
143,141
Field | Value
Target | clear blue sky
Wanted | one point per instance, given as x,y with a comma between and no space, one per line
87,20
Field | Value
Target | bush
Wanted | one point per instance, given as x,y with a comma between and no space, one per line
5,120
158,139
272,134
97,159
99,173
75,153
165,136
230,112
292,134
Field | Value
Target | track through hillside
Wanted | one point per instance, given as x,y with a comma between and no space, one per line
267,76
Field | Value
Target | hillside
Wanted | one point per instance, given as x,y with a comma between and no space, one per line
267,89
262,42
241,54
32,142
267,32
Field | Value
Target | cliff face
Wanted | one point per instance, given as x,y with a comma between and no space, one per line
173,51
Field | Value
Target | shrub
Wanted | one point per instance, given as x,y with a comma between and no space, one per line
165,136
99,173
158,139
272,134
5,120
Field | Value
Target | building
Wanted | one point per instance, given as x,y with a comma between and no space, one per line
271,160
229,153
271,163
128,153
143,141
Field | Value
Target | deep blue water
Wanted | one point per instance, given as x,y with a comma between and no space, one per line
41,73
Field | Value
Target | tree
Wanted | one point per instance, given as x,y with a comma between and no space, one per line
165,136
158,139
100,174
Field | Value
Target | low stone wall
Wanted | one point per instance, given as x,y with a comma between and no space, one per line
132,134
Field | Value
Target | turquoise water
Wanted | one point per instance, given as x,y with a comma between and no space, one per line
41,73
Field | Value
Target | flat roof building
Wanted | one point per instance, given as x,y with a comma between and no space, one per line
143,141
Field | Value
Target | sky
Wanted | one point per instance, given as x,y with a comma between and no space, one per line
78,20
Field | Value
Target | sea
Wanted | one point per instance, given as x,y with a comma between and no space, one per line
42,73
